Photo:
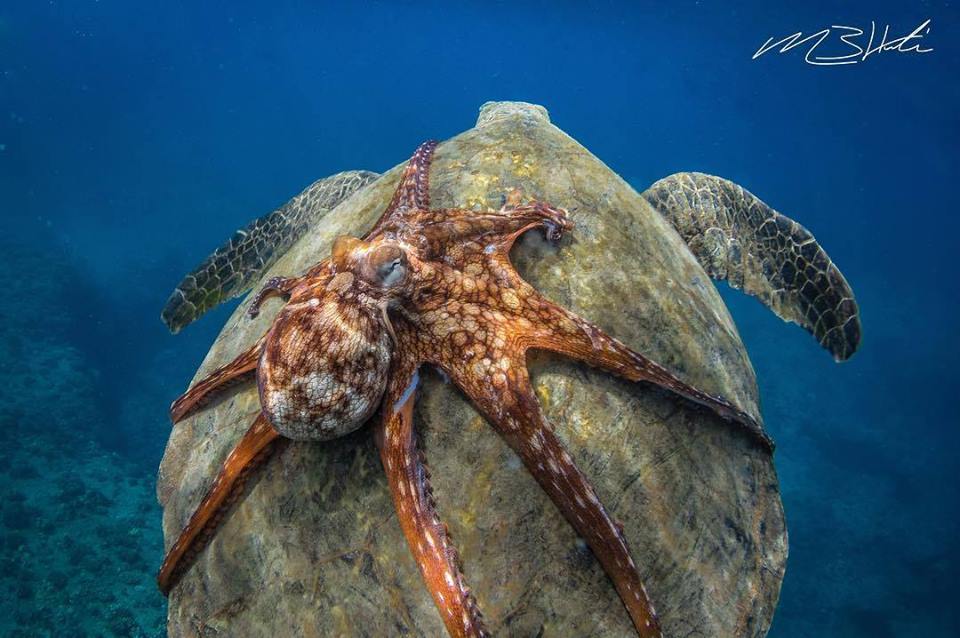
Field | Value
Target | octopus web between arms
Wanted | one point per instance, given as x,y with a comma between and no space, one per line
427,287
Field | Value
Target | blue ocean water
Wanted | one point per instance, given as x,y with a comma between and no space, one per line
135,137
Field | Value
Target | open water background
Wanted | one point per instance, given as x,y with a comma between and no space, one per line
135,137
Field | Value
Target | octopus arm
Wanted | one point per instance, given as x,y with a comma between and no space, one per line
413,191
275,286
253,449
234,373
559,330
426,534
491,231
512,408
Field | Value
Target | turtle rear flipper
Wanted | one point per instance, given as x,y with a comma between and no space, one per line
234,267
737,237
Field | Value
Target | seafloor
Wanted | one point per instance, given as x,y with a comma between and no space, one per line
79,525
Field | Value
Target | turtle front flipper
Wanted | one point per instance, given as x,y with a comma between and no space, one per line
737,237
235,266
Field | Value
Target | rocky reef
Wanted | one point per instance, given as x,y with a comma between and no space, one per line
78,524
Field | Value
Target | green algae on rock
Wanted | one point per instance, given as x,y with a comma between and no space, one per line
314,547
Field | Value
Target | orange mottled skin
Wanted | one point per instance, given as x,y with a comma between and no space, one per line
436,287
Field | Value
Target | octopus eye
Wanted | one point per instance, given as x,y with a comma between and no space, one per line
392,273
386,266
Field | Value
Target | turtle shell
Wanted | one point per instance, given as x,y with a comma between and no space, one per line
314,547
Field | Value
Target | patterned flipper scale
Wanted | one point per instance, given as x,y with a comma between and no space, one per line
737,237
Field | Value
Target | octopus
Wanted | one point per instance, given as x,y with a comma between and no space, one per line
427,287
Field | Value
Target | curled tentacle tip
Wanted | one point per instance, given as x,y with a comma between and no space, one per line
554,233
558,224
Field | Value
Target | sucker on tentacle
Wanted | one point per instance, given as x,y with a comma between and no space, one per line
429,287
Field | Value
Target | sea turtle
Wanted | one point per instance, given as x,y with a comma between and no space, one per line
311,546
